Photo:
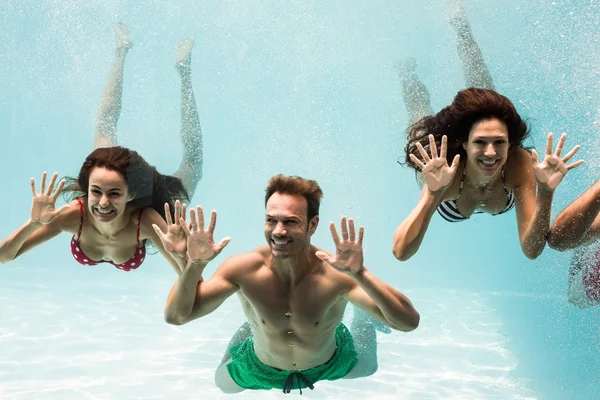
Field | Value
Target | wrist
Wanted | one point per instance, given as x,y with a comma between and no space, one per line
545,192
357,274
34,225
197,263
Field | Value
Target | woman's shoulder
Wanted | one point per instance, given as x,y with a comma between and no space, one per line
147,217
70,219
519,167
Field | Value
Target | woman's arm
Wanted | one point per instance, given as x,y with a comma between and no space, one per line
534,189
577,224
410,233
533,205
438,176
45,222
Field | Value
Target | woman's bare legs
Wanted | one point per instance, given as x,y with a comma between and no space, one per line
190,169
110,104
474,68
415,94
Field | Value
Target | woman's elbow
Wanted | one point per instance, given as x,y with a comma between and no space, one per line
414,323
172,318
557,242
401,252
532,253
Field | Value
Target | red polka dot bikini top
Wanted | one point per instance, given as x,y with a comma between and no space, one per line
134,262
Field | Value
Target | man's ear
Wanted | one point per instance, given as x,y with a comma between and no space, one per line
312,225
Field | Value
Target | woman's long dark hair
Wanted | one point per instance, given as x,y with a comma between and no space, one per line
456,121
145,184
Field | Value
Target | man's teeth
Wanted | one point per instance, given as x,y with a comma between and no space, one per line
103,212
280,241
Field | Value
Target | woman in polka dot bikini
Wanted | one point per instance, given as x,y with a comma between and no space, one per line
118,196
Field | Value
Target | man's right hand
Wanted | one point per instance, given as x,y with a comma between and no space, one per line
201,246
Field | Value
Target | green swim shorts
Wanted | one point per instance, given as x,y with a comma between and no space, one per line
250,373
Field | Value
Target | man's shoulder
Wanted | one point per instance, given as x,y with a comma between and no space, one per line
248,260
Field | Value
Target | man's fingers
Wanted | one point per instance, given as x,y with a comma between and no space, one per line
323,256
352,230
344,229
224,242
213,221
200,212
334,234
185,228
361,234
43,189
158,231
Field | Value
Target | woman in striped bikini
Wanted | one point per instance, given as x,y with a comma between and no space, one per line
117,196
481,167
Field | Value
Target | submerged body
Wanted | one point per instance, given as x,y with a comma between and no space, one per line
294,296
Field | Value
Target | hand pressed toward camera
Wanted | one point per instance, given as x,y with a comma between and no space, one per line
550,172
437,173
348,255
43,210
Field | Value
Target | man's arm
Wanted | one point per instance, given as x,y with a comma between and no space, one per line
369,293
191,297
382,301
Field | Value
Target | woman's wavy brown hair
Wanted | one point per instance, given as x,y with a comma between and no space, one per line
145,184
456,121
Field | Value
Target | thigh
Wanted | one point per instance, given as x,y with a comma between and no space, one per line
224,381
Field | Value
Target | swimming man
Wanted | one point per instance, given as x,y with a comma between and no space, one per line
292,293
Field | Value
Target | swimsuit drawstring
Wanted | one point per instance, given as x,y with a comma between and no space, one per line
289,382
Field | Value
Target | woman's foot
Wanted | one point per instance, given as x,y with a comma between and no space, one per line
407,68
183,63
458,18
122,38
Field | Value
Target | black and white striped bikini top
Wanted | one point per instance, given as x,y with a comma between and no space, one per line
449,211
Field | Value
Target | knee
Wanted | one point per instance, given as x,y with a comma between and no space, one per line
371,368
224,381
365,367
226,386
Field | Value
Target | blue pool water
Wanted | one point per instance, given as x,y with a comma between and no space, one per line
296,87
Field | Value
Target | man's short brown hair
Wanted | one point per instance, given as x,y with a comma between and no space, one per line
296,185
